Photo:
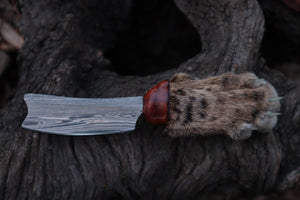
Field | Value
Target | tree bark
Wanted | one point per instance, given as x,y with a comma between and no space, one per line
64,55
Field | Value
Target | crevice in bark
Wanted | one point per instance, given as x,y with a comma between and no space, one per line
9,80
158,37
277,49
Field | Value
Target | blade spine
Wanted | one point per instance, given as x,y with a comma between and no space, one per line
30,95
46,99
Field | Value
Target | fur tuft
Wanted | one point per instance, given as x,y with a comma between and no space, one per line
229,104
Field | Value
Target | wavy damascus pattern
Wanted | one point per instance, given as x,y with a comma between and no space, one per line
81,116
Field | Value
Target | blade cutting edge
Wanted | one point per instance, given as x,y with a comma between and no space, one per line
81,116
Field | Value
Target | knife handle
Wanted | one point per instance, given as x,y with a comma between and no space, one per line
229,104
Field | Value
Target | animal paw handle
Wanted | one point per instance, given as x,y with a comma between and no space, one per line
230,104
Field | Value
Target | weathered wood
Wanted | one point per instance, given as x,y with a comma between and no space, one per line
81,116
64,55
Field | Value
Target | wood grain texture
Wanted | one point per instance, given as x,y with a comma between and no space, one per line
81,116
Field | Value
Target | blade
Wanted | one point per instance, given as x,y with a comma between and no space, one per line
81,116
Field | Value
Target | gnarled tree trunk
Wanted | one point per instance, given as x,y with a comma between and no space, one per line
64,55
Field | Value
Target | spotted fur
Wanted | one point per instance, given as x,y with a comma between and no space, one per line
229,104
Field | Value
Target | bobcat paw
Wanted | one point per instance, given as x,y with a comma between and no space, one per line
231,104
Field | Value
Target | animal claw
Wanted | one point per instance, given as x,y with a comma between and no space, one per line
252,127
259,82
275,99
272,114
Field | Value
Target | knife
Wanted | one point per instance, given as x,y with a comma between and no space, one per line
94,116
230,104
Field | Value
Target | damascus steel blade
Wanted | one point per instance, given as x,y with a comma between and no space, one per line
81,116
